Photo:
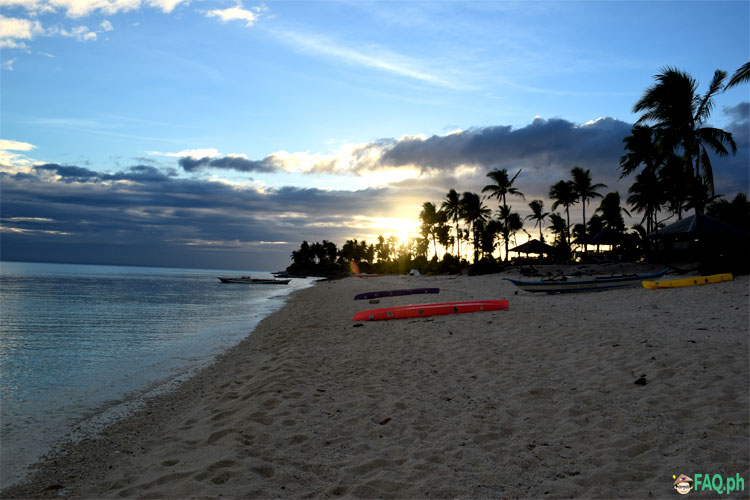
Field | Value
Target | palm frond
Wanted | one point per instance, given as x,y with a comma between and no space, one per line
742,75
707,102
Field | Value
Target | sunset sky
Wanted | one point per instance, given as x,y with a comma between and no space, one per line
222,134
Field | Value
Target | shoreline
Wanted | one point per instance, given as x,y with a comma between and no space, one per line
536,400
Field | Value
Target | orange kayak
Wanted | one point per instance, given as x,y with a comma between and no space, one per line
424,310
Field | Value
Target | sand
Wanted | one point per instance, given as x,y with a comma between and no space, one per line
538,401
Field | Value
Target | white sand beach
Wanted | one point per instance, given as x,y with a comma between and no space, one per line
538,401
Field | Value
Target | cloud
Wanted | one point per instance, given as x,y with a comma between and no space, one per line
68,212
238,163
14,162
14,32
236,13
81,8
16,145
80,33
192,153
377,57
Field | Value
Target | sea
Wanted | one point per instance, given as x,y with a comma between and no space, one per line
82,345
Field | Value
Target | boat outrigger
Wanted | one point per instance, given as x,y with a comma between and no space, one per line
567,286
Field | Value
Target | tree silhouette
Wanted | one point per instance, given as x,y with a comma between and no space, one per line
584,188
679,113
475,213
537,214
563,192
452,207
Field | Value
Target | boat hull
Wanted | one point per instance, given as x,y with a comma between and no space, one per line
425,310
584,285
690,281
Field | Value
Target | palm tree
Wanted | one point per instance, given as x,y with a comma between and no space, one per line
558,227
564,194
611,211
584,188
742,75
594,226
538,214
489,231
475,213
432,219
641,148
677,175
502,187
452,207
646,195
513,223
679,113
510,224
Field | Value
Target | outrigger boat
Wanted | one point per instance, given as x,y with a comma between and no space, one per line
567,286
248,280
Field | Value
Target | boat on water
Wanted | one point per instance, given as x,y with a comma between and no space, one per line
285,274
577,285
689,281
249,280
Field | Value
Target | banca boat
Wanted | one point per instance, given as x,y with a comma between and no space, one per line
249,280
577,285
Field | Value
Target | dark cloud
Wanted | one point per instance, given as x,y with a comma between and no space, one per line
541,143
739,125
159,219
229,163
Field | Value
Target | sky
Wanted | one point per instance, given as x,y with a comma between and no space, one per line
221,134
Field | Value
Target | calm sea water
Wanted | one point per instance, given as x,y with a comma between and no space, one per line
80,345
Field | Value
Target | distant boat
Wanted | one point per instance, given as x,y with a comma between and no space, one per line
249,280
285,274
567,286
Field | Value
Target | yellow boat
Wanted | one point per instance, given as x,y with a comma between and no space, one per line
692,281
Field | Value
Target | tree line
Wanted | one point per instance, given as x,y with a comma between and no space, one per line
669,150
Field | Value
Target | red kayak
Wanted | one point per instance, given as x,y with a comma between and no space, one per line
424,310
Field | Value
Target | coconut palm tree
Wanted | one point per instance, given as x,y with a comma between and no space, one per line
646,196
558,227
502,186
538,214
611,211
564,194
679,113
510,224
432,219
584,188
514,223
475,213
641,149
452,207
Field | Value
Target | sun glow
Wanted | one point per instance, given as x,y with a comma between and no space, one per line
403,229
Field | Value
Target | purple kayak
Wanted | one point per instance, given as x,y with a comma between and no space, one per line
394,293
